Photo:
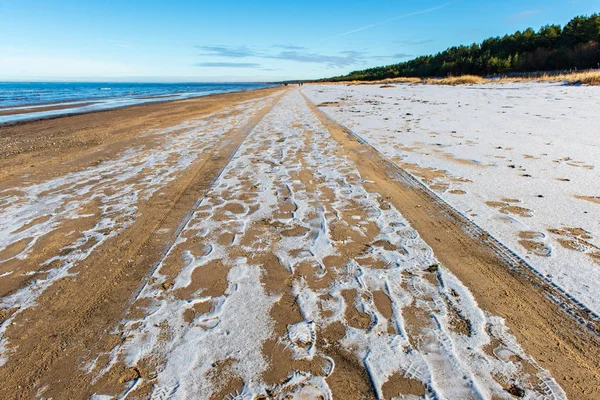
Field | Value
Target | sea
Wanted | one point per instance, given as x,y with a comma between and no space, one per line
19,100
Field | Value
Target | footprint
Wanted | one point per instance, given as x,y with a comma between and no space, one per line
577,239
531,235
533,242
301,339
505,354
507,206
237,395
165,392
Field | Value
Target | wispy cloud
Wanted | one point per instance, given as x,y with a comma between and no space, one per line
519,16
397,56
226,65
413,42
385,21
286,52
226,51
288,47
343,59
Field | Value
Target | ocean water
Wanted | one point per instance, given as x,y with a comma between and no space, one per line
14,94
76,97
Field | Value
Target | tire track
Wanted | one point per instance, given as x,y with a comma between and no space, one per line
75,316
294,280
549,324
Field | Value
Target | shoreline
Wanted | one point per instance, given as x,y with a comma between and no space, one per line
182,146
41,108
86,106
35,142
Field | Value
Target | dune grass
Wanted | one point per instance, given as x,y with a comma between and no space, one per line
384,81
456,80
584,78
575,78
402,80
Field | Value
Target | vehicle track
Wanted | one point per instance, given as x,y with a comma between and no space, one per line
312,223
76,315
512,260
549,324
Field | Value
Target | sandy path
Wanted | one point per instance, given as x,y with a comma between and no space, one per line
76,241
520,160
549,325
291,279
293,274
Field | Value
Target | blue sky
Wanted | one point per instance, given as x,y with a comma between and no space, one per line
231,40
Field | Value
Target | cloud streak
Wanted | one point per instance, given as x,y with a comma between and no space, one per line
286,53
225,51
226,65
288,47
413,42
395,56
344,59
385,21
523,15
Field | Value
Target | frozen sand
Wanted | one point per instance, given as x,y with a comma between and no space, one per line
520,160
289,274
108,193
290,201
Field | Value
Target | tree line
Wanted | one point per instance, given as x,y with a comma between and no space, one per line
552,47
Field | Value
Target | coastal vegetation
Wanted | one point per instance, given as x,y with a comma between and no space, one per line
575,46
572,78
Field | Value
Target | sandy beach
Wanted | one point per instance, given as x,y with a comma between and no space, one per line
328,241
520,160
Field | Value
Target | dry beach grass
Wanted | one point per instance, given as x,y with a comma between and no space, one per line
575,78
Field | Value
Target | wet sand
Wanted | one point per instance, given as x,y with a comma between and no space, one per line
32,109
